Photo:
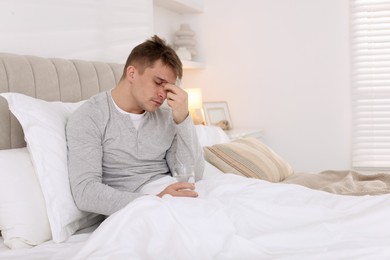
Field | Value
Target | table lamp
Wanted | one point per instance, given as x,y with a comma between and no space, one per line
195,105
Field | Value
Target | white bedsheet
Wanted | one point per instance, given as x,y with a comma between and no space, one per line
237,218
47,250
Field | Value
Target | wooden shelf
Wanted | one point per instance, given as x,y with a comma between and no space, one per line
181,6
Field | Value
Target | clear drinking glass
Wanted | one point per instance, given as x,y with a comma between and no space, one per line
184,173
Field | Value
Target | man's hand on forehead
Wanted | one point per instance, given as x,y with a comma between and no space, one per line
173,87
177,99
169,87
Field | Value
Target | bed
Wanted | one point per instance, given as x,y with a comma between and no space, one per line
256,207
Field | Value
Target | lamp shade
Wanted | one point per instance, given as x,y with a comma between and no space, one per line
194,98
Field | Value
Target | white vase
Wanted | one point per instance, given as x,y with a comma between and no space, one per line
185,38
183,53
185,31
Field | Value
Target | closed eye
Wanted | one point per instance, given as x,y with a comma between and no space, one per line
159,81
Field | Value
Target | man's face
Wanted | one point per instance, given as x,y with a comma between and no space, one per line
148,88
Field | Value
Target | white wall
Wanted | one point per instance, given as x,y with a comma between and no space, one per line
282,66
101,30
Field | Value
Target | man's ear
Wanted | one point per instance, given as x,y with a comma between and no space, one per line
130,73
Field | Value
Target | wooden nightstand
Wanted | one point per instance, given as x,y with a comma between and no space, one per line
244,132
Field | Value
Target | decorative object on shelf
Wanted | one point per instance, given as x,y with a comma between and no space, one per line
217,114
195,105
185,42
183,53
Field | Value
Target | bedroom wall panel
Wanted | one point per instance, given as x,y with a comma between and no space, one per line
101,30
283,67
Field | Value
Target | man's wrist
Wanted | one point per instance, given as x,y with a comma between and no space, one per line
181,119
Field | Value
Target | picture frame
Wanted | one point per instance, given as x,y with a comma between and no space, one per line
217,114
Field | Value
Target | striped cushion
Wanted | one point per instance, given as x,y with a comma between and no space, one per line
250,158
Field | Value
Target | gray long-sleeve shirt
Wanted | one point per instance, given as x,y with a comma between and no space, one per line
109,160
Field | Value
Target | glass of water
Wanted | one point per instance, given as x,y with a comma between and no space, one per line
184,173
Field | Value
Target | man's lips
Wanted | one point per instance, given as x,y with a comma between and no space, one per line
157,102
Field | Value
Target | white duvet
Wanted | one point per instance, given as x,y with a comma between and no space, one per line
240,218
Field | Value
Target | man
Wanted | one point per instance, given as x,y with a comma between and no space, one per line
123,141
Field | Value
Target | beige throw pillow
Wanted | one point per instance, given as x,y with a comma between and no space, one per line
248,157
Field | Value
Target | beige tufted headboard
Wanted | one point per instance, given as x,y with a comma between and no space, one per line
49,79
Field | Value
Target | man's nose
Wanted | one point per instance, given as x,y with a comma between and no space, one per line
162,93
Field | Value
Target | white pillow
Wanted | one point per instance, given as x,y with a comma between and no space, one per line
210,135
23,218
43,124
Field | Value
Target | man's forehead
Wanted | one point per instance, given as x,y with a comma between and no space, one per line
176,83
158,64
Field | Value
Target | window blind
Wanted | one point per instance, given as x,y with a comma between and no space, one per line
370,38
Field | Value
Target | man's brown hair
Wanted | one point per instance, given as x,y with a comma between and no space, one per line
147,53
